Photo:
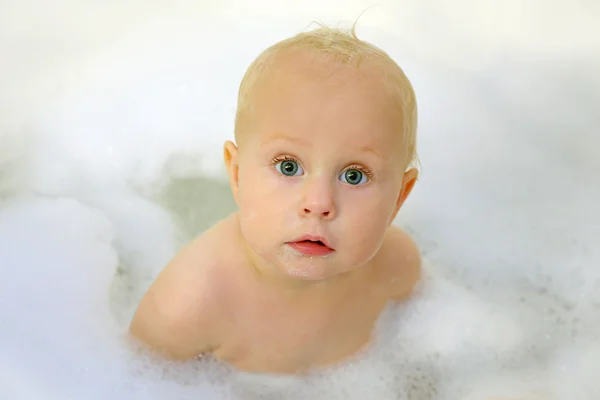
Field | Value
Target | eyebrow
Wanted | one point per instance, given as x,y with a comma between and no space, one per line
306,143
281,136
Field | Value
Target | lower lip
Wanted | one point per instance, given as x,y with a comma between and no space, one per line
310,248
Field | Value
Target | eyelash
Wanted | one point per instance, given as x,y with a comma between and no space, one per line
357,167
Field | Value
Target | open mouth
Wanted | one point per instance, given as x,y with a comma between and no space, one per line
312,247
316,242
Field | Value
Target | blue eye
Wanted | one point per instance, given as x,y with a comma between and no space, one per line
289,168
353,177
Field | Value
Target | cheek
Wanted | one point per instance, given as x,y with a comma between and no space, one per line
265,213
366,220
262,199
368,209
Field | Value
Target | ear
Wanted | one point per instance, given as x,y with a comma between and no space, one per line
230,155
408,182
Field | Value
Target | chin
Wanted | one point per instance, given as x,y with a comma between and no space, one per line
311,271
305,274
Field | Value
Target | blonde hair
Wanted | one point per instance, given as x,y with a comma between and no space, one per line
344,47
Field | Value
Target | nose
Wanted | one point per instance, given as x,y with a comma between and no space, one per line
318,200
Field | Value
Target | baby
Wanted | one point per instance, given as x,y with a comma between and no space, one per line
297,277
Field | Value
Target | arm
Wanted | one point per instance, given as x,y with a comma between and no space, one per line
177,315
403,258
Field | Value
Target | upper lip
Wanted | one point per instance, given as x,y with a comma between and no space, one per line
313,238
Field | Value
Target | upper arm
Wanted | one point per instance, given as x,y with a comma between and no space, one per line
177,316
403,260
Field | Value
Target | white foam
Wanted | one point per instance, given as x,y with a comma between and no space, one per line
96,122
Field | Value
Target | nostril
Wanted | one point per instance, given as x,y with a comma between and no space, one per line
323,213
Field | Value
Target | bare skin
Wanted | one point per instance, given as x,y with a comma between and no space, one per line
226,307
321,155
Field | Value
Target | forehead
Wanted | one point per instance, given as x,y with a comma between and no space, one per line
310,96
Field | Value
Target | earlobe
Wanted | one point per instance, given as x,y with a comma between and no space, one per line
230,156
408,182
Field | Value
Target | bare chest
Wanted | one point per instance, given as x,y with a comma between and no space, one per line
267,334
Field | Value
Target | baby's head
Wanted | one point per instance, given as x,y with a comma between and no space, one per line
326,140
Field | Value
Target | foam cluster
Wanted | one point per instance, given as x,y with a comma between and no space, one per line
112,159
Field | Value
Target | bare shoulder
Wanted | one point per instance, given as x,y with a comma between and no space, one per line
400,262
179,315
